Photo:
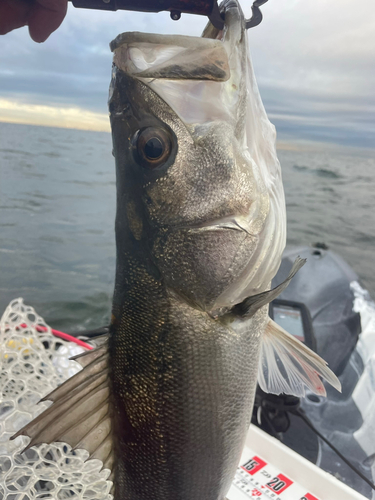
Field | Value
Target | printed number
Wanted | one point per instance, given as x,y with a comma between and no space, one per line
276,484
253,465
250,465
255,493
308,496
279,483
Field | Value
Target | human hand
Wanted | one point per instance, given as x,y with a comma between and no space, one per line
42,16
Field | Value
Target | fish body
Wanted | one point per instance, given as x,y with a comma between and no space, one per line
166,401
182,400
183,379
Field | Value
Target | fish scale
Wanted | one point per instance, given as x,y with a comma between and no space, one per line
197,454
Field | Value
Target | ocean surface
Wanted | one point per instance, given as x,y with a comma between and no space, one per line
57,209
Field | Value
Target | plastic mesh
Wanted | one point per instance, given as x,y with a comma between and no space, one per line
32,364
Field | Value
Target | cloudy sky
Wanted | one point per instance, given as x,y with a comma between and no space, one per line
314,61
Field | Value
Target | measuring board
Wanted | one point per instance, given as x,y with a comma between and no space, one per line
270,470
258,479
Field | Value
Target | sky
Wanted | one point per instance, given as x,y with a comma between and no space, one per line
314,61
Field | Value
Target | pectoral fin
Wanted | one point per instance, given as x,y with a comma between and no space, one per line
81,413
250,305
286,365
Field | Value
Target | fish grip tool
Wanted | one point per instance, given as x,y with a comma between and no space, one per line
207,8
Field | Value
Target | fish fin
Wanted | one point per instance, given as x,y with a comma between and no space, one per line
111,477
85,358
97,366
287,366
92,334
250,305
80,414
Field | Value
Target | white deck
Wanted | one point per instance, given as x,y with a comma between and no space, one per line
275,472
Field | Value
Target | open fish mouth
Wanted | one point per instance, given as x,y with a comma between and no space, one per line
201,78
173,57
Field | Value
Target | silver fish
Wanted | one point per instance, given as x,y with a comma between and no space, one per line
166,400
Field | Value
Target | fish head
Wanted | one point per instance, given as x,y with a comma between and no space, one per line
199,184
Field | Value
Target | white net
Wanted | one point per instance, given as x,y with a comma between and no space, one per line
32,364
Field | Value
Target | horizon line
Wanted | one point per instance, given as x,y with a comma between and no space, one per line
282,144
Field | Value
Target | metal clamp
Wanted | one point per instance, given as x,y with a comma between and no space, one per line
217,19
208,8
257,16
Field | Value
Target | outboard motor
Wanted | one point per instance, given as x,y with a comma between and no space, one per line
321,292
318,308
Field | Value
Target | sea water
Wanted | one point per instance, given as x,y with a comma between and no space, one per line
57,211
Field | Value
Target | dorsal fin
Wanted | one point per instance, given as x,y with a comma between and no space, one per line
81,411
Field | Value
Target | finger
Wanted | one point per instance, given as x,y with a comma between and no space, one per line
12,16
45,17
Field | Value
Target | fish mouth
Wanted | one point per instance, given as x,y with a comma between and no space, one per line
171,57
186,71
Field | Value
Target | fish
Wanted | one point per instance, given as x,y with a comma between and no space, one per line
165,399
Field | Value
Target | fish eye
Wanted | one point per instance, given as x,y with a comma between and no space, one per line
153,147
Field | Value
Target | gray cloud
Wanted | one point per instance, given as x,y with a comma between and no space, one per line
315,67
314,63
